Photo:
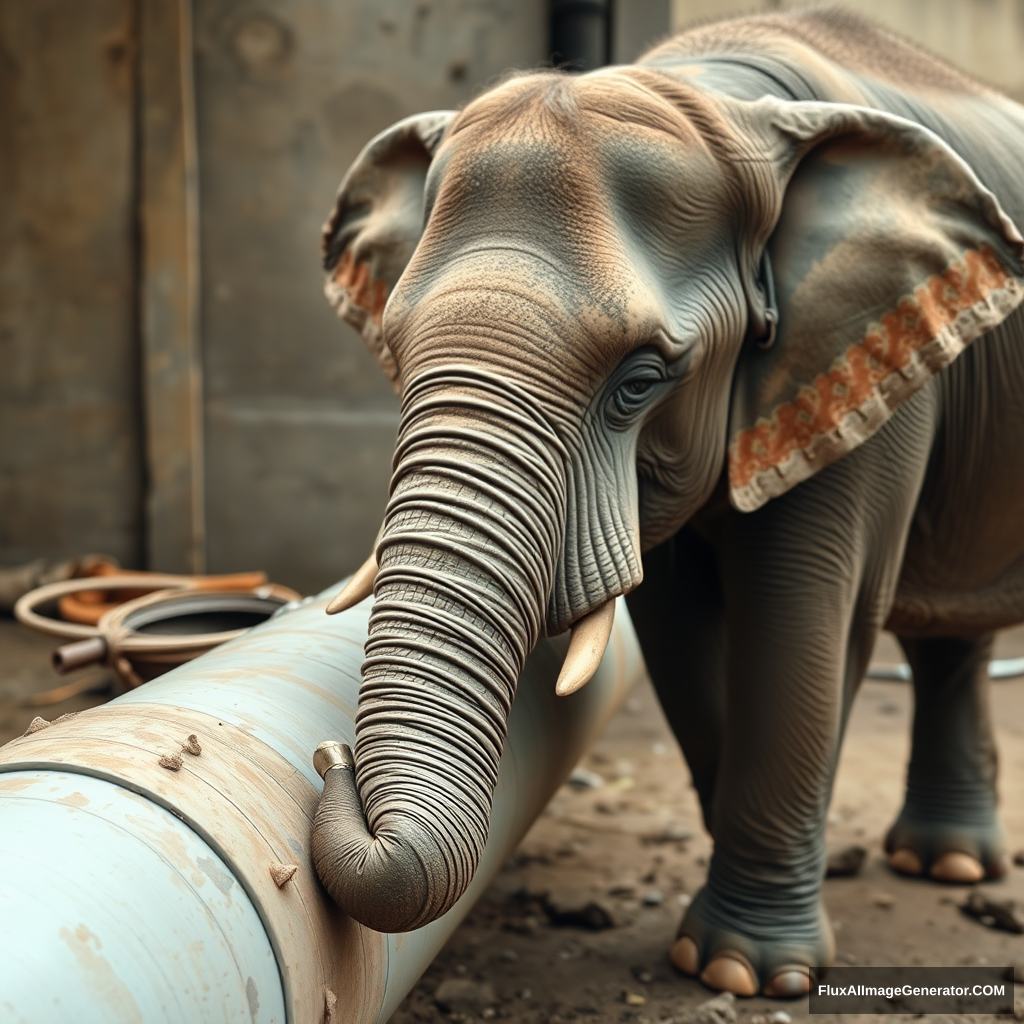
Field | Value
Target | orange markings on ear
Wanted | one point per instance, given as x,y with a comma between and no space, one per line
363,292
887,347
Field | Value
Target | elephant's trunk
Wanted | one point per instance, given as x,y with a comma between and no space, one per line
466,558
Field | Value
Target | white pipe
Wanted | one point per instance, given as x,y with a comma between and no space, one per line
137,879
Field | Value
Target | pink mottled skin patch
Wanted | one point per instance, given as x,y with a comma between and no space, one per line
887,347
362,290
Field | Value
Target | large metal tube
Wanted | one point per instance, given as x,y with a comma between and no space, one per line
141,880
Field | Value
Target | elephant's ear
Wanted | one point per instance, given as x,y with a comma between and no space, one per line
376,223
889,257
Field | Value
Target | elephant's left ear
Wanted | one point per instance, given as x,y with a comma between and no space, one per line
888,256
376,224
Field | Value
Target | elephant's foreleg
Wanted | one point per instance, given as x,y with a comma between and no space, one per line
948,827
680,621
807,580
757,924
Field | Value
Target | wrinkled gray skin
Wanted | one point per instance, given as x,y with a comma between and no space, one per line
581,325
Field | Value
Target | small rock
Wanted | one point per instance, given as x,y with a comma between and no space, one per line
1015,973
1005,914
653,898
674,832
884,900
489,1013
847,862
759,1018
572,909
38,722
522,925
172,762
584,778
510,955
779,1017
462,995
643,975
282,874
191,746
622,889
525,993
633,999
36,725
720,1010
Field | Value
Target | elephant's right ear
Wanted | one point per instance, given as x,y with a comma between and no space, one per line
887,256
376,224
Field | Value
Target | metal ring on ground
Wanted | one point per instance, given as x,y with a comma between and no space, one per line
119,638
25,609
1000,668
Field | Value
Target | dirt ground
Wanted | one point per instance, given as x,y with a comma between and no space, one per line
631,841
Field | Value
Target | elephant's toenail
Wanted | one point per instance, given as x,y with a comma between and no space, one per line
730,974
957,867
906,862
998,867
789,983
685,956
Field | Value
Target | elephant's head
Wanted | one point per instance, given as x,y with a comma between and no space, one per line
599,297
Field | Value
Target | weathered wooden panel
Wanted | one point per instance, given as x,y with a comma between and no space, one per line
169,289
300,425
70,468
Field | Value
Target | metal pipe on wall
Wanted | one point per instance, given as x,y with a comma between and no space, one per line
154,852
580,33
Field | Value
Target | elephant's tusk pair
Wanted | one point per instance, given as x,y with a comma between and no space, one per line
357,589
586,649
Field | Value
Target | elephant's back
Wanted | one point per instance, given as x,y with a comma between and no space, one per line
837,57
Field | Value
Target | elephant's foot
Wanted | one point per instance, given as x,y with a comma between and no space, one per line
726,958
956,853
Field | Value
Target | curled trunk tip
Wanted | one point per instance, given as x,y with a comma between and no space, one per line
389,890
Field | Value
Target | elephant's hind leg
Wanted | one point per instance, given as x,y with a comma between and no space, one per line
948,828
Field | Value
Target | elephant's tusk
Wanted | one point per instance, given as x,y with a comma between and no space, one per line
357,589
586,649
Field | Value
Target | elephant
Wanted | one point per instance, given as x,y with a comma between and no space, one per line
733,331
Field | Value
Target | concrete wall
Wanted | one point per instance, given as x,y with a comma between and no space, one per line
300,422
70,460
984,37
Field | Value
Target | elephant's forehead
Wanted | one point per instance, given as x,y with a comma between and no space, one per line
575,187
558,235
511,308
594,226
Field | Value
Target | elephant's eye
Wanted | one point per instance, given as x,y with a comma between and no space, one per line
632,395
